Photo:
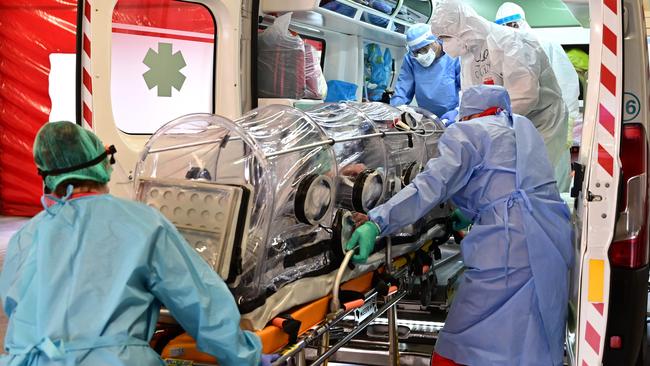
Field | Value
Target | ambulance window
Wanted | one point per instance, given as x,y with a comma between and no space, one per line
374,19
384,6
415,11
162,62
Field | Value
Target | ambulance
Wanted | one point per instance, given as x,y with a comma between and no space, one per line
125,68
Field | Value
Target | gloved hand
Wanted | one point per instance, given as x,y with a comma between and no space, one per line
459,221
364,236
267,360
449,118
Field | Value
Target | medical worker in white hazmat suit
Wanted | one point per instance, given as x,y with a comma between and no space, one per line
491,54
512,15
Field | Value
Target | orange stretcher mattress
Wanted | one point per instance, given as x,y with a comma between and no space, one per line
273,338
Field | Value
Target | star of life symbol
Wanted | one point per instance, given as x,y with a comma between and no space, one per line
164,69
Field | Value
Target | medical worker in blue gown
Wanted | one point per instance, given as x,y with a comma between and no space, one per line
83,281
511,306
427,73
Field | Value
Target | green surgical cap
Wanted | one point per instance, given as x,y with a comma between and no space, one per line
62,145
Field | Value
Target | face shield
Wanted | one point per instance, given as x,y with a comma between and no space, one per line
511,15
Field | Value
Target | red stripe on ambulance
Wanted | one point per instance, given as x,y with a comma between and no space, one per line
87,94
593,338
609,39
611,4
606,119
605,160
608,79
87,10
600,307
88,114
88,81
87,45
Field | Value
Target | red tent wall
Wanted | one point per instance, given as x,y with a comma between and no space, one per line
29,31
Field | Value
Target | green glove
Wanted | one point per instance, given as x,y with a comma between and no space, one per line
458,221
364,236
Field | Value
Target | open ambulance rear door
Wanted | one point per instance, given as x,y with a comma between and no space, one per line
610,277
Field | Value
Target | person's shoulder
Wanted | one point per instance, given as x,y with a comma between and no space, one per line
465,129
511,41
518,118
29,227
483,126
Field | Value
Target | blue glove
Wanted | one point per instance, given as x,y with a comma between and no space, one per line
364,236
450,117
267,360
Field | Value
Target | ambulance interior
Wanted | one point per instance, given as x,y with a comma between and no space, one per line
262,166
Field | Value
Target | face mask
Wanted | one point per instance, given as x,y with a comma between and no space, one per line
426,59
454,47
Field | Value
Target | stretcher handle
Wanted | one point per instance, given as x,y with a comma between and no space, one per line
289,325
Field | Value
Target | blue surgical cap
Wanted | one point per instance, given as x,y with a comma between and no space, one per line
418,36
479,98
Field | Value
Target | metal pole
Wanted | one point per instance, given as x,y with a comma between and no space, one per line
325,345
301,147
393,340
332,141
302,358
182,146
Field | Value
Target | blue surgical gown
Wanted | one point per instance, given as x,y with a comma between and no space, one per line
511,305
435,87
83,284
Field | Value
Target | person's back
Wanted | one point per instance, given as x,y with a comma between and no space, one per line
513,16
83,285
493,166
83,281
521,231
547,109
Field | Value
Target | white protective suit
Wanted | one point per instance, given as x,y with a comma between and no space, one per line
565,73
494,54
